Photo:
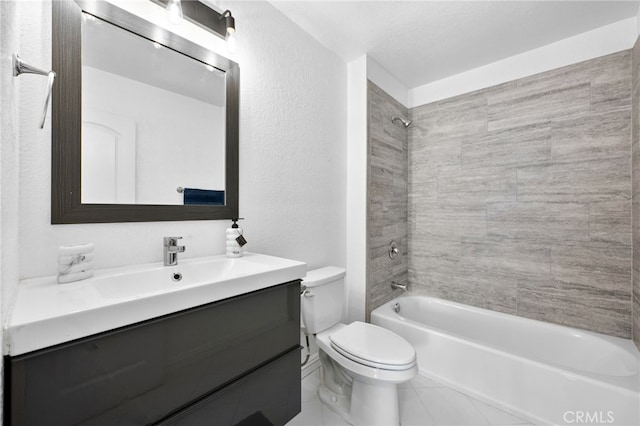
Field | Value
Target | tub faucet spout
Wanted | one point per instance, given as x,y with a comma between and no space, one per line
397,286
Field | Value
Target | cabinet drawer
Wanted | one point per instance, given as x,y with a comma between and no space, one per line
268,396
141,373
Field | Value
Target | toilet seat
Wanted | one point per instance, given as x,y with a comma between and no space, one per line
373,346
358,369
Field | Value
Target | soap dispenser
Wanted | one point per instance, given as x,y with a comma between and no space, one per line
235,240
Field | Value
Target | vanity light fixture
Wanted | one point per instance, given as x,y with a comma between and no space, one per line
222,24
174,9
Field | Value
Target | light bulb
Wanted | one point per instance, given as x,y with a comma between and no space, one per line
174,9
230,22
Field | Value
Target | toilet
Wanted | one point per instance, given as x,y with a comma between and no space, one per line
362,364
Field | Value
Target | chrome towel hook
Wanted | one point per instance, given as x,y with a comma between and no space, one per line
20,67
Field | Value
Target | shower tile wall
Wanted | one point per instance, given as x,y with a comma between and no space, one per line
386,196
520,197
635,182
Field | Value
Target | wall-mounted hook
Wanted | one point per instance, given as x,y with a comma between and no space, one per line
20,67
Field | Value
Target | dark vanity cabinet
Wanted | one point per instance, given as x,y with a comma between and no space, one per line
231,362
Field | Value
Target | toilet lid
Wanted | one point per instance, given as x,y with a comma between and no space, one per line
375,346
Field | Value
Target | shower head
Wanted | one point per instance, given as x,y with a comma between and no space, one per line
406,123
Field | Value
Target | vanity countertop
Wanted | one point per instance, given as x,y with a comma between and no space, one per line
46,313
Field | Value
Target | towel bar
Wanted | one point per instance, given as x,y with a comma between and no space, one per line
20,67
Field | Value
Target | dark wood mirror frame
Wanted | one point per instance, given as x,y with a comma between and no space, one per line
66,205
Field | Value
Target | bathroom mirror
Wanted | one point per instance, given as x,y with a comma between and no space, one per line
145,123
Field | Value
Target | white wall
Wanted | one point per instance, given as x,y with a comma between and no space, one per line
356,213
9,115
592,44
293,140
292,155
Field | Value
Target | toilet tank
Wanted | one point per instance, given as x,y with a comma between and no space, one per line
322,302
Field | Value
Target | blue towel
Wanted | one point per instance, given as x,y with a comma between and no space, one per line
203,196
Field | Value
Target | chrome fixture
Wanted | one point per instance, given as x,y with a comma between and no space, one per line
306,293
171,250
20,67
230,25
393,250
396,308
230,22
397,286
222,24
406,123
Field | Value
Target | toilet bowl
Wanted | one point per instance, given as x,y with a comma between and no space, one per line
362,364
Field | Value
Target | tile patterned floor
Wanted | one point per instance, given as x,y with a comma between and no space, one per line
423,402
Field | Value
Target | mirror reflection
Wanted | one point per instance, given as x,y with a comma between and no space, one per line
153,122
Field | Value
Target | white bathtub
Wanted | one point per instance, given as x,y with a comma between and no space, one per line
543,372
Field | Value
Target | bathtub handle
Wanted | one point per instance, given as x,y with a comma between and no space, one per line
393,250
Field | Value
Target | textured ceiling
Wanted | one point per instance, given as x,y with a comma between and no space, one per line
423,41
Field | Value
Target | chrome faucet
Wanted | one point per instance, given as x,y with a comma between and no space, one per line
397,286
171,250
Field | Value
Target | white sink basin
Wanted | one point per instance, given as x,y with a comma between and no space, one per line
46,313
192,272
